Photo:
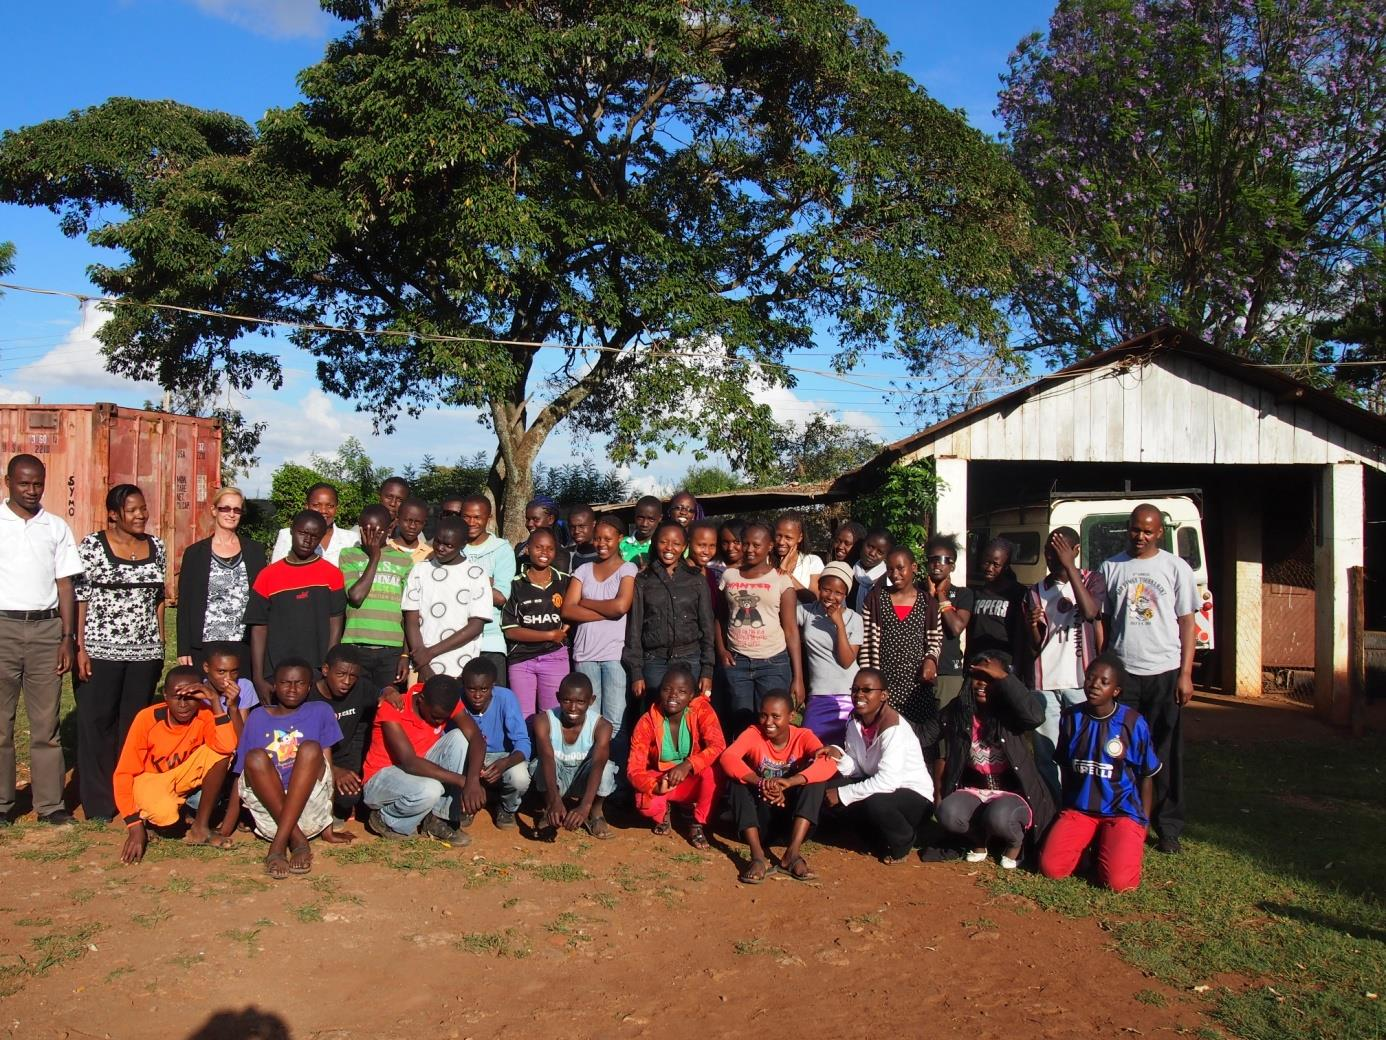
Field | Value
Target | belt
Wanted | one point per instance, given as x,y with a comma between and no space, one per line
30,615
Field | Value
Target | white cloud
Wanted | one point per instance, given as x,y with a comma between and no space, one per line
275,18
75,370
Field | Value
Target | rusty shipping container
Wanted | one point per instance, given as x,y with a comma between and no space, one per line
88,448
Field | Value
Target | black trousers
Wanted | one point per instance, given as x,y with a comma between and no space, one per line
750,810
889,821
1154,697
379,663
107,704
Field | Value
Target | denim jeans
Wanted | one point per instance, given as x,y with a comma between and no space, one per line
513,783
1047,735
572,780
608,680
749,679
404,799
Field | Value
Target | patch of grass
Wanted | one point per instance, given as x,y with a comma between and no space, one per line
61,947
509,943
34,922
1152,997
154,918
568,925
510,903
688,857
119,973
178,885
417,854
557,871
981,924
172,848
757,948
82,895
187,960
309,913
67,843
247,937
1285,897
864,920
605,900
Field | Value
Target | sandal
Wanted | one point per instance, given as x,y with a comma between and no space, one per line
697,838
665,825
213,840
297,866
748,875
798,869
598,827
277,873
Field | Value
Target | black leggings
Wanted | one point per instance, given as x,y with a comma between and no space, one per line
107,704
890,821
1005,818
751,810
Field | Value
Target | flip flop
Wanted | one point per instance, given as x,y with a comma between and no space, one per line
789,871
598,828
747,878
697,838
276,857
301,868
664,826
213,840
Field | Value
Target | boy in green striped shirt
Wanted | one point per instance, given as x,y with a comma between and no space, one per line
375,574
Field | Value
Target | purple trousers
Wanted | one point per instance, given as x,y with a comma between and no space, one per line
535,681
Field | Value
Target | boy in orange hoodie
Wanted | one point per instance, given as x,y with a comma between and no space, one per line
673,751
774,771
174,748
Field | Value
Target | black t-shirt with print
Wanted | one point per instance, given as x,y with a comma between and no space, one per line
355,714
533,606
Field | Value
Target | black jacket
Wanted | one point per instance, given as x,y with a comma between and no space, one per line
1018,713
670,617
192,587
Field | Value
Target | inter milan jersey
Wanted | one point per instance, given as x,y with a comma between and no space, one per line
1103,761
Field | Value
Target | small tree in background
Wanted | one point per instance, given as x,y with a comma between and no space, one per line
902,504
350,471
820,449
434,482
581,482
709,480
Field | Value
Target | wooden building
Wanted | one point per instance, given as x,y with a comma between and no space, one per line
1291,477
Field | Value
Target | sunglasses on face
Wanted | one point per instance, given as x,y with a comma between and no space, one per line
941,559
864,689
230,510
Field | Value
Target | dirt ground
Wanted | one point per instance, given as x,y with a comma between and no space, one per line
636,937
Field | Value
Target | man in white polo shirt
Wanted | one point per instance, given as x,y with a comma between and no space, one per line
38,617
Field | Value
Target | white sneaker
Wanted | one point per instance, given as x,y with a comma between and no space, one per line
1009,864
976,855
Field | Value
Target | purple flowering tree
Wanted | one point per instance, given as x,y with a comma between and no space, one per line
1215,164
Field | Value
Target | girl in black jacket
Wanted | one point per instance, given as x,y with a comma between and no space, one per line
988,787
670,617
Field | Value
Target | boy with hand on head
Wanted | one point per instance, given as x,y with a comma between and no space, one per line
496,559
175,748
1108,764
375,574
408,534
635,547
572,765
421,776
297,605
447,604
283,761
496,712
1064,616
352,697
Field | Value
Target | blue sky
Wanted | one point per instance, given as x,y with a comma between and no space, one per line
242,56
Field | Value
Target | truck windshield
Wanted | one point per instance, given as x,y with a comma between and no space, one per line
1104,536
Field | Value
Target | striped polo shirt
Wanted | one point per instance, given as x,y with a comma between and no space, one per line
378,621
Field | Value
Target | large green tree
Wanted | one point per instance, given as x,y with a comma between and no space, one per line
1217,164
678,191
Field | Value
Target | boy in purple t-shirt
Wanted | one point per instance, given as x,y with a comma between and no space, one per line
285,782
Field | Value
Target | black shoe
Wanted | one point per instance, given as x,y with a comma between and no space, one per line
505,819
58,818
1169,846
465,820
439,829
375,823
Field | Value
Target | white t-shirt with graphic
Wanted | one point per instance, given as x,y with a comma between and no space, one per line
1145,600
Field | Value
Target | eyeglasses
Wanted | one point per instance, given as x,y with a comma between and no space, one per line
864,689
230,510
941,559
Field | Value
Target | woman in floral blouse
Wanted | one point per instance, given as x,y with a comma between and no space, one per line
120,639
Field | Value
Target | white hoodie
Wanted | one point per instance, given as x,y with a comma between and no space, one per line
894,760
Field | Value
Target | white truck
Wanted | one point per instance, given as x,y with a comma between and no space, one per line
1100,518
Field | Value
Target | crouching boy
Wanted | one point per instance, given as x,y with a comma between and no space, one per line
572,767
285,780
173,749
420,775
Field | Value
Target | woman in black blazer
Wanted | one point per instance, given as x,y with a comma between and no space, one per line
214,581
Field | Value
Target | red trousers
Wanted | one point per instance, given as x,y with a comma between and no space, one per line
699,791
1120,848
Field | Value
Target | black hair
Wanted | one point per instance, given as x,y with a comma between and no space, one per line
881,532
293,662
576,681
224,648
778,695
540,503
1007,574
736,527
119,495
441,691
942,541
581,509
415,503
24,460
471,500
703,525
180,671
679,668
1112,661
344,653
669,525
967,701
450,523
797,520
479,668
1070,535
321,486
312,514
858,531
896,550
757,525
649,500
612,521
549,531
376,510
873,671
395,480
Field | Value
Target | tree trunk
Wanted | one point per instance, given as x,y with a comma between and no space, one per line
516,489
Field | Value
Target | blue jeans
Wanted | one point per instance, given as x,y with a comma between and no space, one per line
749,679
609,686
404,799
1047,735
572,780
514,782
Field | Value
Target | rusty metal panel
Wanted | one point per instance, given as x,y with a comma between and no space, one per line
174,459
1287,626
